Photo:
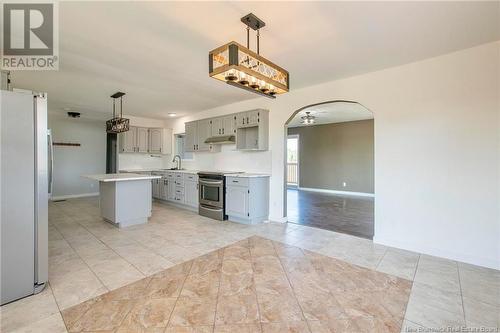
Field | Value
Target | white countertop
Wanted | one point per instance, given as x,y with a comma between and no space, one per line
248,175
238,175
120,177
158,170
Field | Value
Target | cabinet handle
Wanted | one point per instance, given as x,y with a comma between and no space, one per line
222,131
247,120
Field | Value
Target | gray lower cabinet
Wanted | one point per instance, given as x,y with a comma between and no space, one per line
179,188
247,199
191,193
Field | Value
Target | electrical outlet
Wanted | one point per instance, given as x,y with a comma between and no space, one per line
344,184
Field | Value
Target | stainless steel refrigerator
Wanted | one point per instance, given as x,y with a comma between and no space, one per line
25,185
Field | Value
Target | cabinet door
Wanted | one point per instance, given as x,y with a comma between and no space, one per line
191,137
191,193
142,139
229,125
203,132
237,201
241,119
155,140
171,189
216,126
252,117
128,140
156,188
163,188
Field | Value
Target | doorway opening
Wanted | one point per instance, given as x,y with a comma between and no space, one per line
292,161
329,168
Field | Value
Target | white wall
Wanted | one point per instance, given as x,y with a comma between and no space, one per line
72,162
437,156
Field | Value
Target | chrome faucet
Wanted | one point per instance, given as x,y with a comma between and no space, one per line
178,161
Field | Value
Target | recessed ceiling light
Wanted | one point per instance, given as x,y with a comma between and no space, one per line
172,114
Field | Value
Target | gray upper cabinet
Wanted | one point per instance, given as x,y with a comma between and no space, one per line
251,129
142,140
229,125
204,131
155,140
146,140
223,126
216,124
128,141
253,133
191,139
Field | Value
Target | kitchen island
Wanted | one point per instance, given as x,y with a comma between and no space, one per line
124,198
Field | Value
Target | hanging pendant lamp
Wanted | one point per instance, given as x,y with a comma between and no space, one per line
117,124
240,67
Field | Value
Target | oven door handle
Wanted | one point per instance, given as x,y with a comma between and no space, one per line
212,209
217,182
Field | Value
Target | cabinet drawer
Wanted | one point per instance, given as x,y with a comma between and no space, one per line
179,190
236,181
170,175
191,177
179,182
178,175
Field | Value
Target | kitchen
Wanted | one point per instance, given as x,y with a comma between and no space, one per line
144,178
238,195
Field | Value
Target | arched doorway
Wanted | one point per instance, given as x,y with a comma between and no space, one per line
329,167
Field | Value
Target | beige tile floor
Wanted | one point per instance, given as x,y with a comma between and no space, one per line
89,257
256,285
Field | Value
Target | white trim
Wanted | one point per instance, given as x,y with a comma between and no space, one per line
433,251
73,196
359,194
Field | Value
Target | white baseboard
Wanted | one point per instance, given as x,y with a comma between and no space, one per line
278,219
359,194
73,196
432,251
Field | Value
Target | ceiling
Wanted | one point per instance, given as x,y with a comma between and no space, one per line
157,52
335,112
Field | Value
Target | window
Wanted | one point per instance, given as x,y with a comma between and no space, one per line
292,160
179,147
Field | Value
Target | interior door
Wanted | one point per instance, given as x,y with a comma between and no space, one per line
142,139
237,201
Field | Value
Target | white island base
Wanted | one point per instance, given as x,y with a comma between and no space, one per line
125,199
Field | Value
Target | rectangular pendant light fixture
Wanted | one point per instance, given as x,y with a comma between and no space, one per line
241,67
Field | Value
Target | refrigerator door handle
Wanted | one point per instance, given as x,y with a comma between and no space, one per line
51,160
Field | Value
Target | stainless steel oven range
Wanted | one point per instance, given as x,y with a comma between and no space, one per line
212,190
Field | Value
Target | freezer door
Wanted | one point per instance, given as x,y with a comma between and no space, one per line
17,223
41,191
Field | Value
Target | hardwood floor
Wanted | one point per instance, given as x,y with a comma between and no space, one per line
341,213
